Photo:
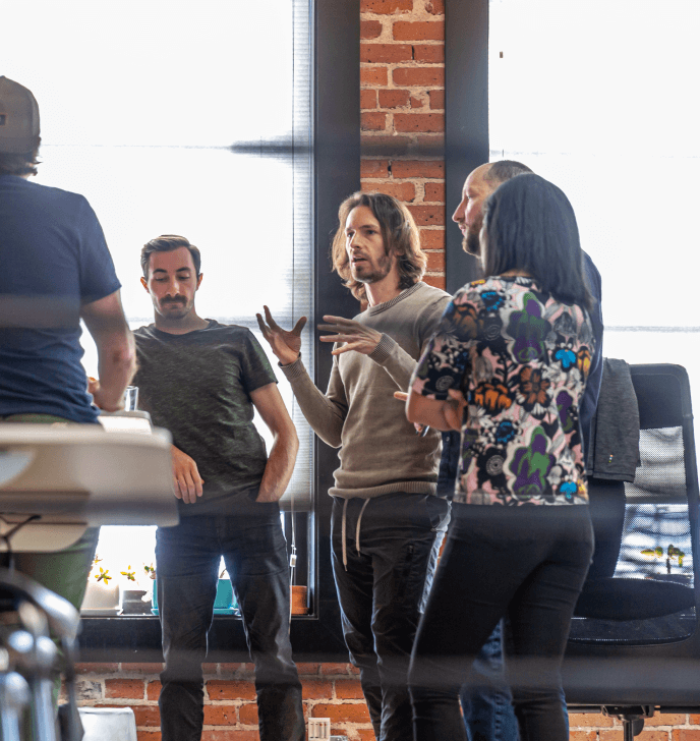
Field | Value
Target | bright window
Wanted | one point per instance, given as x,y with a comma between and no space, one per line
599,98
183,118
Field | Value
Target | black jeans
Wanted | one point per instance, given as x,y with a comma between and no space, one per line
528,563
187,562
383,591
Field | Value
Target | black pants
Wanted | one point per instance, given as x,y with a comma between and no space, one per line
382,594
187,563
528,563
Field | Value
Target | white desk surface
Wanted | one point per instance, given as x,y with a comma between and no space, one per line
79,475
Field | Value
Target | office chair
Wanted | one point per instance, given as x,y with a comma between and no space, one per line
634,645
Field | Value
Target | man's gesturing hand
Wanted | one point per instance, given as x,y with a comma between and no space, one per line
356,336
285,344
187,483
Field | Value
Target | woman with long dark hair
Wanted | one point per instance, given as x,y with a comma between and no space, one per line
508,366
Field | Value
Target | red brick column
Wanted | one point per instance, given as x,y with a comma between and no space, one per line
402,55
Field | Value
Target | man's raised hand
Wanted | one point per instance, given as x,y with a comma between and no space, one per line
285,345
356,336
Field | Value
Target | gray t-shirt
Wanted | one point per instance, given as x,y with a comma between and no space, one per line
198,386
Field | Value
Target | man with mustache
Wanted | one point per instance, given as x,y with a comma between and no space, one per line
203,381
387,524
488,712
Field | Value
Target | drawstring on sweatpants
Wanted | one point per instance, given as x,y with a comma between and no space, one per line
345,540
357,531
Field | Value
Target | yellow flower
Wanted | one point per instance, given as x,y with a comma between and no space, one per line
103,575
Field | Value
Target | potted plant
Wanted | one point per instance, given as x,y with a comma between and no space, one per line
101,595
672,554
135,598
299,599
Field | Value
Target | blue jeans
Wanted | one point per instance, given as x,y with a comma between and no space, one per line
488,707
526,563
187,563
383,591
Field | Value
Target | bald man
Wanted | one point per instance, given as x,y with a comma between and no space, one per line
488,712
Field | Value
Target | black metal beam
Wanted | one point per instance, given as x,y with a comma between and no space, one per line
466,119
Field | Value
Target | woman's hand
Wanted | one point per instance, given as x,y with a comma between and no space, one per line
453,410
403,396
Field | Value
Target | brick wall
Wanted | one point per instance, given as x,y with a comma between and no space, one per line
230,713
402,97
402,59
330,691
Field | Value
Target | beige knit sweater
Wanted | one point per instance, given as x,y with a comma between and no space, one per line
380,450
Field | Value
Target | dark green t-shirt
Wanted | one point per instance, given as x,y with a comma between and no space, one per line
198,386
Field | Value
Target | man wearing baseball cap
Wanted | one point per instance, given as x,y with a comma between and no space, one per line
56,270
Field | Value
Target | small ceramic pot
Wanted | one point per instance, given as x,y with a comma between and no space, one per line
299,597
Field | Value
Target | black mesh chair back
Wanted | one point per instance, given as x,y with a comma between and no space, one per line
634,638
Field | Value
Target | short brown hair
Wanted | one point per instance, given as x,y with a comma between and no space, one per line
169,243
20,164
398,231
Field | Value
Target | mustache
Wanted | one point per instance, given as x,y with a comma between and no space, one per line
178,300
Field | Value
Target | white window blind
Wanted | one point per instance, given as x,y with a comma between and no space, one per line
601,98
184,118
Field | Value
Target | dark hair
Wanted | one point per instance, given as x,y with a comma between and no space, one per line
398,231
530,225
20,164
505,170
169,243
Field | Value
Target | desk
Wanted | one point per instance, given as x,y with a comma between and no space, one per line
80,476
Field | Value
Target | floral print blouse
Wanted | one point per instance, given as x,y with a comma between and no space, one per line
521,359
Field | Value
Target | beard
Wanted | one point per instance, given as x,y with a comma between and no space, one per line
371,272
470,242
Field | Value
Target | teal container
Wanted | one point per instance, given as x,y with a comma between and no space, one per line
225,603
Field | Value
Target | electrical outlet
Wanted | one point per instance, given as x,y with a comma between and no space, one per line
319,729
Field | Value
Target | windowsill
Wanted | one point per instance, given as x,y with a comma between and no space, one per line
138,638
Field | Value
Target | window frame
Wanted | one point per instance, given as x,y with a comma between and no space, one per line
336,164
466,120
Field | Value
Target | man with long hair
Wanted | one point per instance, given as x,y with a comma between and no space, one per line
387,522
